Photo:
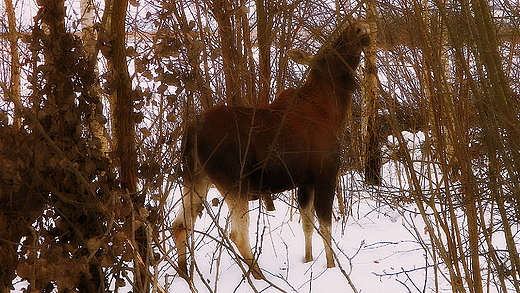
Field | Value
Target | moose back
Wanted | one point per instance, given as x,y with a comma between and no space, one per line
250,153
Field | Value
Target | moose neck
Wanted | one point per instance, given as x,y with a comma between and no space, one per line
330,86
327,92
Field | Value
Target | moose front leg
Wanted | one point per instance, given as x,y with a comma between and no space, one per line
323,200
239,216
305,198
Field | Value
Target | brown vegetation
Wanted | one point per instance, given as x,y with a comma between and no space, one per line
89,146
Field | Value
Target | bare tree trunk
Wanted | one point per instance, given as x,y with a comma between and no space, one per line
369,126
264,45
124,112
90,45
247,61
9,254
222,11
15,58
124,134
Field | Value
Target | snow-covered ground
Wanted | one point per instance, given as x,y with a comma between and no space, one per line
376,249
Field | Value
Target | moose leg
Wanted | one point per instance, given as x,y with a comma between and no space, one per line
239,216
305,195
194,193
325,230
267,198
323,200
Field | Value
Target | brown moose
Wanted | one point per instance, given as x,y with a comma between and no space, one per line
250,153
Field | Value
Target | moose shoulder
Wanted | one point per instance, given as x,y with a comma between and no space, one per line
253,152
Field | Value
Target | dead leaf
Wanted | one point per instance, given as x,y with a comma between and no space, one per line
145,131
94,243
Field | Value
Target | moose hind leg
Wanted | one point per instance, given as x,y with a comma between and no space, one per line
305,195
325,231
239,216
194,193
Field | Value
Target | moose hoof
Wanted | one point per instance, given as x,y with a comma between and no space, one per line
257,274
183,270
308,259
254,269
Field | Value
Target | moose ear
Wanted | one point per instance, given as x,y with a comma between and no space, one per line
300,57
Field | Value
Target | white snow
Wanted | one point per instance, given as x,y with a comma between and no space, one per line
374,247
